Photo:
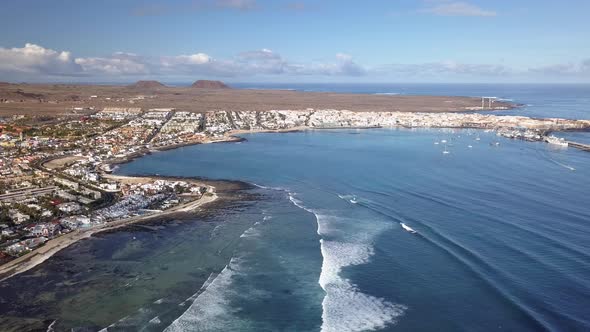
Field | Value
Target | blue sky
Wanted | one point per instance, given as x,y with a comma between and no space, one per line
296,41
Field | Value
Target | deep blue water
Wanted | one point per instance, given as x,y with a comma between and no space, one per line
502,242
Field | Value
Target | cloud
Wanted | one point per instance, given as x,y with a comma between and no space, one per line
258,62
34,62
237,4
36,59
456,8
580,69
448,68
117,64
183,7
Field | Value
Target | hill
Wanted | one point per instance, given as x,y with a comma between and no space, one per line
205,84
147,85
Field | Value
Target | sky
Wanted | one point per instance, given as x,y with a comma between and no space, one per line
510,41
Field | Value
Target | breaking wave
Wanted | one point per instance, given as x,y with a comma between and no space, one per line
345,307
209,307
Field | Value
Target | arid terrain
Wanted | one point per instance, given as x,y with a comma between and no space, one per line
64,99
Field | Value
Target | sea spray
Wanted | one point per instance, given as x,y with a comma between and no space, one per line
345,307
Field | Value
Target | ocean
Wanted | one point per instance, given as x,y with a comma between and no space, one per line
313,240
568,101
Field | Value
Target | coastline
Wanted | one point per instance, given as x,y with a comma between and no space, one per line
53,246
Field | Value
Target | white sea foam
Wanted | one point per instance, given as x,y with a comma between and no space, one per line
156,320
210,307
345,307
387,93
269,188
50,327
250,232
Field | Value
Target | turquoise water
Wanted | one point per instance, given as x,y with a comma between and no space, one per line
501,243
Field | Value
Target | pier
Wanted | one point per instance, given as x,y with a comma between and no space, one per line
581,146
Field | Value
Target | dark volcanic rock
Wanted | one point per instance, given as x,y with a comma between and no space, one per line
205,84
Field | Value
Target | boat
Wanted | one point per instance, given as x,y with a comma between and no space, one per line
556,141
408,228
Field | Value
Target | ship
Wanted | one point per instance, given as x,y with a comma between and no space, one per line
556,141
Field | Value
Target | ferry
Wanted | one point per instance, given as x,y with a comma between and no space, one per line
408,228
557,141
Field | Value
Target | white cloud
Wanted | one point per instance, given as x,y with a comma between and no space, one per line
258,62
193,59
34,62
117,64
457,8
36,59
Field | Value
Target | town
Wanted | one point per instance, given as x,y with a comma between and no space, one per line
55,176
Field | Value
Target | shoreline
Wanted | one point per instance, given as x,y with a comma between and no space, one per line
53,246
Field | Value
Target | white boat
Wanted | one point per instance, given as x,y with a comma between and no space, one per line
556,141
445,151
408,228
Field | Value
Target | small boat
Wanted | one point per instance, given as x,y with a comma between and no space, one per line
408,228
435,143
353,200
443,141
557,141
470,146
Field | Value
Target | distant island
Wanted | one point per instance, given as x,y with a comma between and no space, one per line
146,85
207,84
